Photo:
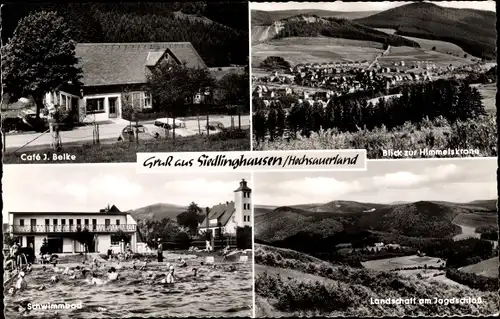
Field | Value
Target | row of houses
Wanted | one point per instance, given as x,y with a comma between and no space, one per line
57,229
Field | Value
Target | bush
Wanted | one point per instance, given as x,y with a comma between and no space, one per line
480,134
472,280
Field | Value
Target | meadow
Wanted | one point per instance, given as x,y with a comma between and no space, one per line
299,50
413,55
486,268
488,93
441,46
402,262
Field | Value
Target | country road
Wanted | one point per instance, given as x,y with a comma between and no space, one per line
108,133
378,56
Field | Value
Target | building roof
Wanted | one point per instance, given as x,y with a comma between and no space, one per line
126,63
243,186
221,212
113,210
70,213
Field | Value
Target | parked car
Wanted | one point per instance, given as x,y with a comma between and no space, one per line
164,126
129,131
213,127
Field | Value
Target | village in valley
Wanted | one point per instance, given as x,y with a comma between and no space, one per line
333,67
85,257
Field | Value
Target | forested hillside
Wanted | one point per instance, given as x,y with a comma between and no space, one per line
218,31
473,30
313,26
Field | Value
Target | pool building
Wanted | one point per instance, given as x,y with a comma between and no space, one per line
59,230
230,215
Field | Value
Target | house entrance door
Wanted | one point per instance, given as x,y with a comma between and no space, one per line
113,112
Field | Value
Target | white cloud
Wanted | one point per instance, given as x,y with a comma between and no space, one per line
407,179
77,190
114,186
200,186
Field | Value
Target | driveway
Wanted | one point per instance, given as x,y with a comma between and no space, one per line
108,133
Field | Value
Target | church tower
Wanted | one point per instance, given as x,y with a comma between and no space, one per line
243,205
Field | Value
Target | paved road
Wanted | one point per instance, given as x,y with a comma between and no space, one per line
107,133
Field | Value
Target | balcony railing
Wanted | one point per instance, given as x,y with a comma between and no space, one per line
101,228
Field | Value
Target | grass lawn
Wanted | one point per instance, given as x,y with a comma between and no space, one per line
401,262
126,152
315,50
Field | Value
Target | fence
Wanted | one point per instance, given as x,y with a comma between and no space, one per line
217,244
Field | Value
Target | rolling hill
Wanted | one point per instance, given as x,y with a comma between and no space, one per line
305,25
487,268
425,219
211,27
157,211
266,18
472,30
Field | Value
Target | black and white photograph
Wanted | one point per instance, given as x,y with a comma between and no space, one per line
100,241
98,82
385,76
404,238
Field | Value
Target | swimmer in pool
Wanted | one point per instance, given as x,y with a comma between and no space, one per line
21,282
97,281
231,268
170,279
112,274
144,265
54,279
183,263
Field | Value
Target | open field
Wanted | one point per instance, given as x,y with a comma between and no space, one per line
316,50
487,268
441,46
401,262
430,275
290,273
488,92
412,55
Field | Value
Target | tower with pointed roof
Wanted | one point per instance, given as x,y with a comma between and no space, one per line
243,205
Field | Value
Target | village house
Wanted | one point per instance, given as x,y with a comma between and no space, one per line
114,70
58,229
230,215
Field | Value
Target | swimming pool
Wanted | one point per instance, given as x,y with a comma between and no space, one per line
215,292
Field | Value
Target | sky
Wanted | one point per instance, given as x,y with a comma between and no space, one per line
366,6
453,180
90,187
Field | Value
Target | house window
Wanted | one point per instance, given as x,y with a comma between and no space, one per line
63,222
21,222
148,100
70,221
115,240
54,221
86,222
95,105
140,100
78,221
107,222
118,222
